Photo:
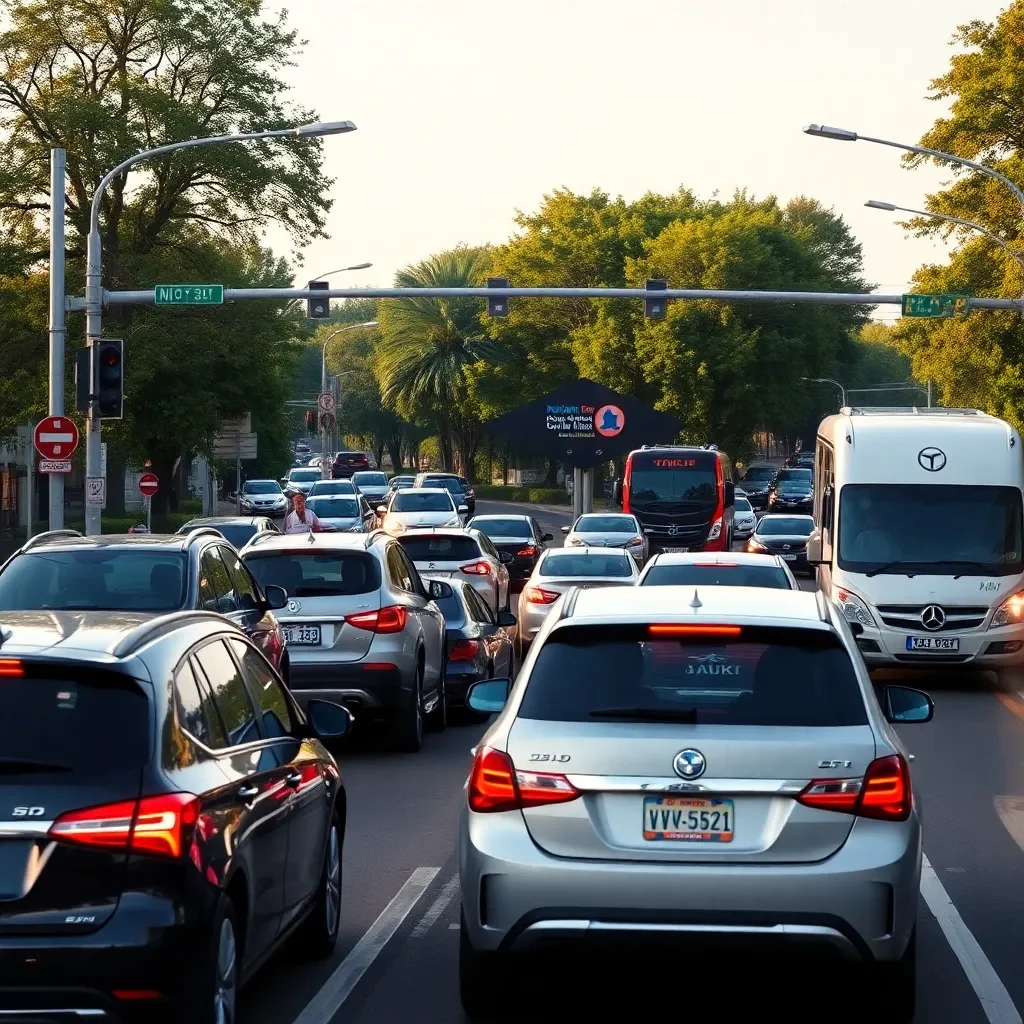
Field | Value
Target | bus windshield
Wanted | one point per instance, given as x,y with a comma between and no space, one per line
685,478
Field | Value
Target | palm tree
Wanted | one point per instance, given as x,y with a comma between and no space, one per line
426,345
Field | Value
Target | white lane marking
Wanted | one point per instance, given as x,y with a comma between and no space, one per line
436,909
991,992
454,927
338,987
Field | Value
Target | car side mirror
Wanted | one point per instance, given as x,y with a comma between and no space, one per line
901,705
463,510
507,558
489,696
329,721
439,590
506,619
730,493
814,547
566,529
546,537
277,597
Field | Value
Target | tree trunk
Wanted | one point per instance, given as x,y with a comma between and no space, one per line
551,480
166,498
394,447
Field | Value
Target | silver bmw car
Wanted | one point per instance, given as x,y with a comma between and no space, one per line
698,766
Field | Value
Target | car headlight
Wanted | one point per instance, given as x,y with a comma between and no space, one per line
756,547
716,529
854,608
1010,612
635,542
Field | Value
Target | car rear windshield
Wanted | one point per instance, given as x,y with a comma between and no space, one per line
304,474
332,487
333,508
764,676
795,526
606,524
715,575
803,477
759,473
440,549
411,501
370,479
95,579
236,534
583,564
518,529
67,729
261,487
316,574
449,483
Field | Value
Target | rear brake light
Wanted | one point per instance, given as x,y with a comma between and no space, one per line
884,792
11,668
716,565
465,650
159,825
496,785
387,620
667,629
537,595
477,568
136,994
527,552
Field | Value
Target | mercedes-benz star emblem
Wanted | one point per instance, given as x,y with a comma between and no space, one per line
294,606
689,764
933,617
931,459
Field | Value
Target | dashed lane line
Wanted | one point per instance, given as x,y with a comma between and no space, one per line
338,987
436,909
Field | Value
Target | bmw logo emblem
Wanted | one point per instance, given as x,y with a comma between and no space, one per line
689,764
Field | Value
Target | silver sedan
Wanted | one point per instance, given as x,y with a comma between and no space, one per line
608,530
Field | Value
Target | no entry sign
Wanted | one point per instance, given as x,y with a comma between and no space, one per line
55,438
149,484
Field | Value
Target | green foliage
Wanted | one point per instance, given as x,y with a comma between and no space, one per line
534,495
169,523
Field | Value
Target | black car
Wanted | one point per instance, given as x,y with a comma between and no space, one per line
236,530
347,463
148,573
785,536
756,482
521,537
170,816
479,645
792,491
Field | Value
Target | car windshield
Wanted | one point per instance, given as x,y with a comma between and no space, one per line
304,475
416,501
517,529
716,575
758,473
742,505
316,574
795,478
765,677
582,564
785,526
261,487
449,483
236,534
433,548
370,479
696,483
333,508
95,579
937,529
402,481
605,524
332,487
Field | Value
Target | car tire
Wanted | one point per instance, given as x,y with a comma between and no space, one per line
897,985
484,979
318,934
214,992
407,726
522,648
437,720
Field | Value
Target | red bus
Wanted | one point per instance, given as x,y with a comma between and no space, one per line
683,497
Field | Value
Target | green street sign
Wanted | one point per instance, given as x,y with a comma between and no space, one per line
936,306
189,294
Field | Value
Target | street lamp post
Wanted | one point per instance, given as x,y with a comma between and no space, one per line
342,270
324,469
829,380
94,272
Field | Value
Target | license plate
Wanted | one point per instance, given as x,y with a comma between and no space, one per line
789,558
675,551
933,643
688,819
302,635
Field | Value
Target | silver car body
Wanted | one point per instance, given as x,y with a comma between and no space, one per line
590,530
395,520
744,519
302,478
327,508
717,558
263,498
533,614
373,484
792,872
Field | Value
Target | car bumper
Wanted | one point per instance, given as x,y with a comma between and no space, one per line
366,687
982,648
530,620
458,679
861,902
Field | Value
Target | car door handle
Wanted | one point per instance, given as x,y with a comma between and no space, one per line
294,779
248,792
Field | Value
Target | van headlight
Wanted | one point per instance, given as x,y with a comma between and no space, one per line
1010,612
854,608
716,529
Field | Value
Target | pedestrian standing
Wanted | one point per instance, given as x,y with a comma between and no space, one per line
301,519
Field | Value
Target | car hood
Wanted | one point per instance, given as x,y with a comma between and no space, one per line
411,519
340,524
893,588
777,539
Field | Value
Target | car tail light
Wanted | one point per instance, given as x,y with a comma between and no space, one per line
477,569
159,825
883,793
527,552
273,647
11,668
537,595
387,620
495,784
465,650
671,629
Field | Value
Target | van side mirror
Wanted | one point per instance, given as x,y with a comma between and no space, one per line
902,705
814,547
546,537
506,619
730,493
617,493
507,558
438,590
489,696
277,597
330,721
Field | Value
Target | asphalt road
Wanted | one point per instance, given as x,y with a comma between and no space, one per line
396,961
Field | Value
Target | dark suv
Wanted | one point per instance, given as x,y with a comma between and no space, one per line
347,463
63,571
169,816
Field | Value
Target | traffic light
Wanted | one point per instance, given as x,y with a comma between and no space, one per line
656,309
310,422
110,393
318,308
495,306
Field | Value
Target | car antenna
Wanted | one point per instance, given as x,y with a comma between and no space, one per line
696,602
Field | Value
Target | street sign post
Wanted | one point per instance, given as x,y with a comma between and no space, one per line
149,484
326,401
188,295
55,438
936,306
327,421
96,491
54,465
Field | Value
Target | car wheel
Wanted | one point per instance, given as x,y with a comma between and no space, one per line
484,979
215,992
437,719
897,984
407,727
318,934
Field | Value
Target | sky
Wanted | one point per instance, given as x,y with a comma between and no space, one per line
468,110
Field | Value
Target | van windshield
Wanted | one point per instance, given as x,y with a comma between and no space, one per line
931,529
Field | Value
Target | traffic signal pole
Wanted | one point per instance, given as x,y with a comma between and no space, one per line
93,332
57,324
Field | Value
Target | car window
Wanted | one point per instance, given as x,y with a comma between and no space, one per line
241,582
587,564
763,677
440,547
236,534
227,600
479,608
273,704
742,505
261,487
207,591
605,524
412,575
451,608
797,526
370,479
416,501
397,570
330,507
306,573
193,710
514,528
489,548
229,693
715,575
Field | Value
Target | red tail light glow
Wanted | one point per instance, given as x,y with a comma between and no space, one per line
884,792
495,784
160,825
11,668
465,650
527,552
670,629
477,569
537,595
388,620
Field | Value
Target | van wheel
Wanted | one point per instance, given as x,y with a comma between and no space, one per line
484,979
407,726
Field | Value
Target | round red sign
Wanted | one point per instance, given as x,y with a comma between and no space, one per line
149,484
609,420
56,437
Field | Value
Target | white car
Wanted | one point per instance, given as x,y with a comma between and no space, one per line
743,519
717,569
420,507
608,530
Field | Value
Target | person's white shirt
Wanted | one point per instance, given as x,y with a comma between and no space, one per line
292,523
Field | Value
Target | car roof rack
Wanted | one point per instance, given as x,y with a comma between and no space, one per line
203,531
48,535
162,625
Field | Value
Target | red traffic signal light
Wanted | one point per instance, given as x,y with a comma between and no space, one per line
110,398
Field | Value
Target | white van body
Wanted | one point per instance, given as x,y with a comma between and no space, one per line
940,491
